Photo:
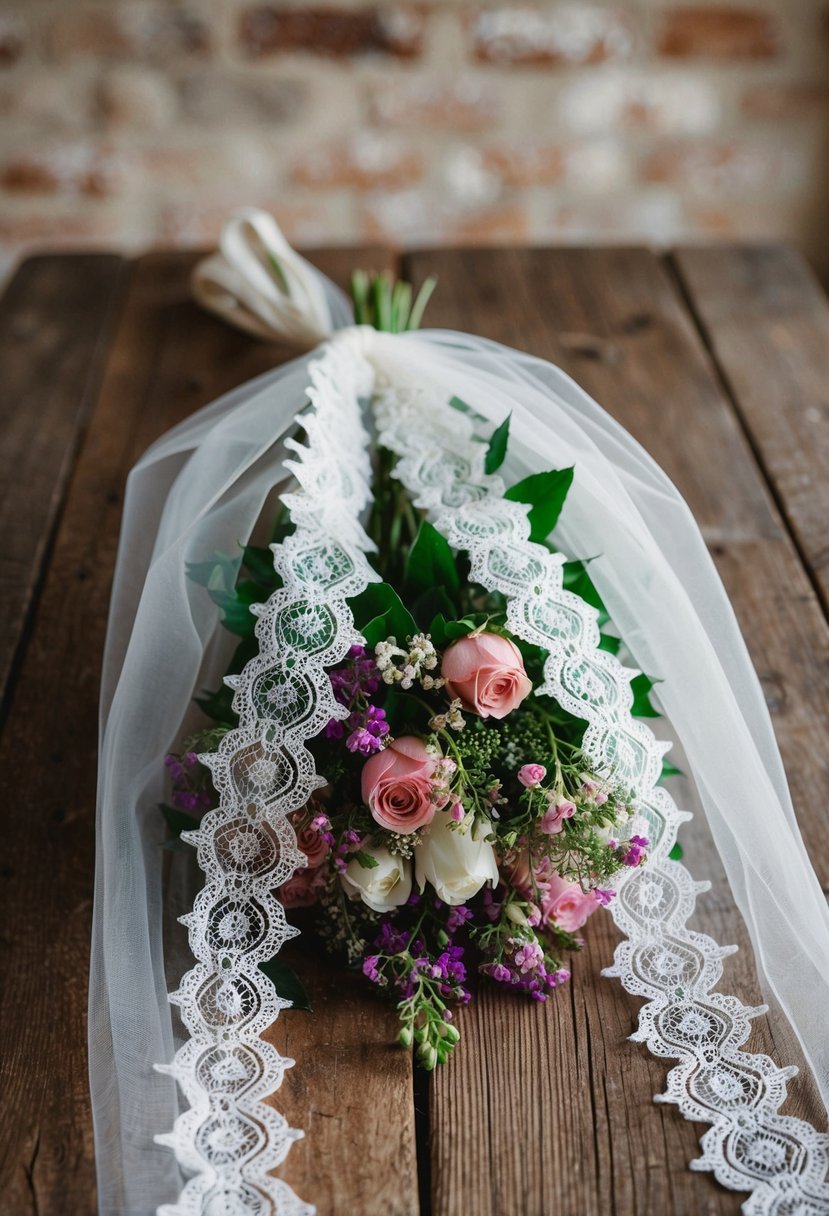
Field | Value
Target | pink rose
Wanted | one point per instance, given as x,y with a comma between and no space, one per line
566,904
531,774
310,841
303,888
487,672
553,819
397,785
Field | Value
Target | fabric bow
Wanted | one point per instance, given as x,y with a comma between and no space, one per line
257,282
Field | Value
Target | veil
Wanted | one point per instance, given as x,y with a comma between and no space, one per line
205,486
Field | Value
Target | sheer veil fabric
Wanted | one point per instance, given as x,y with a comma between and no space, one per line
204,487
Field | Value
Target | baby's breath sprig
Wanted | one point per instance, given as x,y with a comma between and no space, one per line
408,665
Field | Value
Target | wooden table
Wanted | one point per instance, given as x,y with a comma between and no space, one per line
717,360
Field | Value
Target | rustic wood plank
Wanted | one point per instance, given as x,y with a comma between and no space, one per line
765,318
549,1109
55,317
167,359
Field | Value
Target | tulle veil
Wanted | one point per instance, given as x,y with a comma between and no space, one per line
204,487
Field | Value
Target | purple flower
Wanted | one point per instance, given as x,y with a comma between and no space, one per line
634,854
457,917
363,741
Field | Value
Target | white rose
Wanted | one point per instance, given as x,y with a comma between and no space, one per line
455,864
384,886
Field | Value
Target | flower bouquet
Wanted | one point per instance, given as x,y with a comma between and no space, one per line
425,742
460,816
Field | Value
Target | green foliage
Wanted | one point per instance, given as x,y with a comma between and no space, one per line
380,613
577,579
464,408
677,852
178,822
642,707
430,564
219,571
497,449
234,596
218,706
670,770
259,563
386,304
365,860
287,983
545,493
444,630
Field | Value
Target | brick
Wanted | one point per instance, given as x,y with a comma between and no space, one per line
718,33
432,104
131,96
652,216
565,35
269,29
222,100
597,166
728,169
517,165
416,217
154,33
185,224
68,169
686,104
40,101
365,163
208,168
786,102
12,39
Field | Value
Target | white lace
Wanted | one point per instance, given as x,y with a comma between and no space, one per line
262,771
229,1138
750,1147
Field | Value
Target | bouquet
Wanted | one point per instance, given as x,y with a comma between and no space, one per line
460,818
426,742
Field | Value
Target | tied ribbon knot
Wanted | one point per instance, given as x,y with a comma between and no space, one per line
257,282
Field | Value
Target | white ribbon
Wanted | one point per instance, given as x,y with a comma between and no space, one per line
257,282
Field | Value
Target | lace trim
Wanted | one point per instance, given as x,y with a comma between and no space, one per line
229,1138
750,1147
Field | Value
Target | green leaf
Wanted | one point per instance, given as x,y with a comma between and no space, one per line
577,579
287,983
432,603
217,705
610,643
497,449
431,564
235,606
380,613
676,852
218,572
421,300
178,821
545,493
670,770
462,407
259,562
443,630
365,860
642,706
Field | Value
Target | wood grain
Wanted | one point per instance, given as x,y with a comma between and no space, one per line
560,1081
55,320
543,1110
766,320
167,358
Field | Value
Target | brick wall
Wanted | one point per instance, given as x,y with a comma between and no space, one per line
131,122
